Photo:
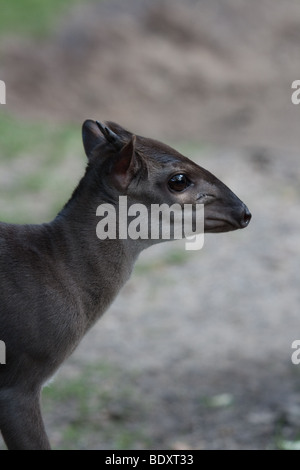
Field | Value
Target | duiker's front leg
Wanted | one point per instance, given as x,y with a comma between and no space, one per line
21,421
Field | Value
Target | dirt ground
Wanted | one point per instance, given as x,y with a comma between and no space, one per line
197,347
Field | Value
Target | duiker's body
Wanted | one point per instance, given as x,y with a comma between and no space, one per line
57,279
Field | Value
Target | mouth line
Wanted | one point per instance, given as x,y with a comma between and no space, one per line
227,222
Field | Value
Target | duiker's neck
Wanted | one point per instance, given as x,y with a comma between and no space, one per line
99,267
80,212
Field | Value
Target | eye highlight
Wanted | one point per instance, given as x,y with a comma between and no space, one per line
179,182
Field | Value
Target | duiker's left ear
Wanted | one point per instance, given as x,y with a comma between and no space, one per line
125,165
91,136
95,134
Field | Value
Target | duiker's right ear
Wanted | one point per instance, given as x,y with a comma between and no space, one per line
94,134
125,166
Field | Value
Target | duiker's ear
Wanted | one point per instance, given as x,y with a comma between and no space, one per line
91,136
125,165
94,134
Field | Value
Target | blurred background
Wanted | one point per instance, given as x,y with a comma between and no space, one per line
196,351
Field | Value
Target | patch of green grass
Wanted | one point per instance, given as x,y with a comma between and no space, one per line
172,257
37,161
223,400
19,136
81,387
176,257
283,444
285,438
31,17
126,439
100,405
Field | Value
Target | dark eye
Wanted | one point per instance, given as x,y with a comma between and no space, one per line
179,182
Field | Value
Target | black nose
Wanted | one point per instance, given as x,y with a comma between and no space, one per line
245,218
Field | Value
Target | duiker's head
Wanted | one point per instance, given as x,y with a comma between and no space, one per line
150,172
